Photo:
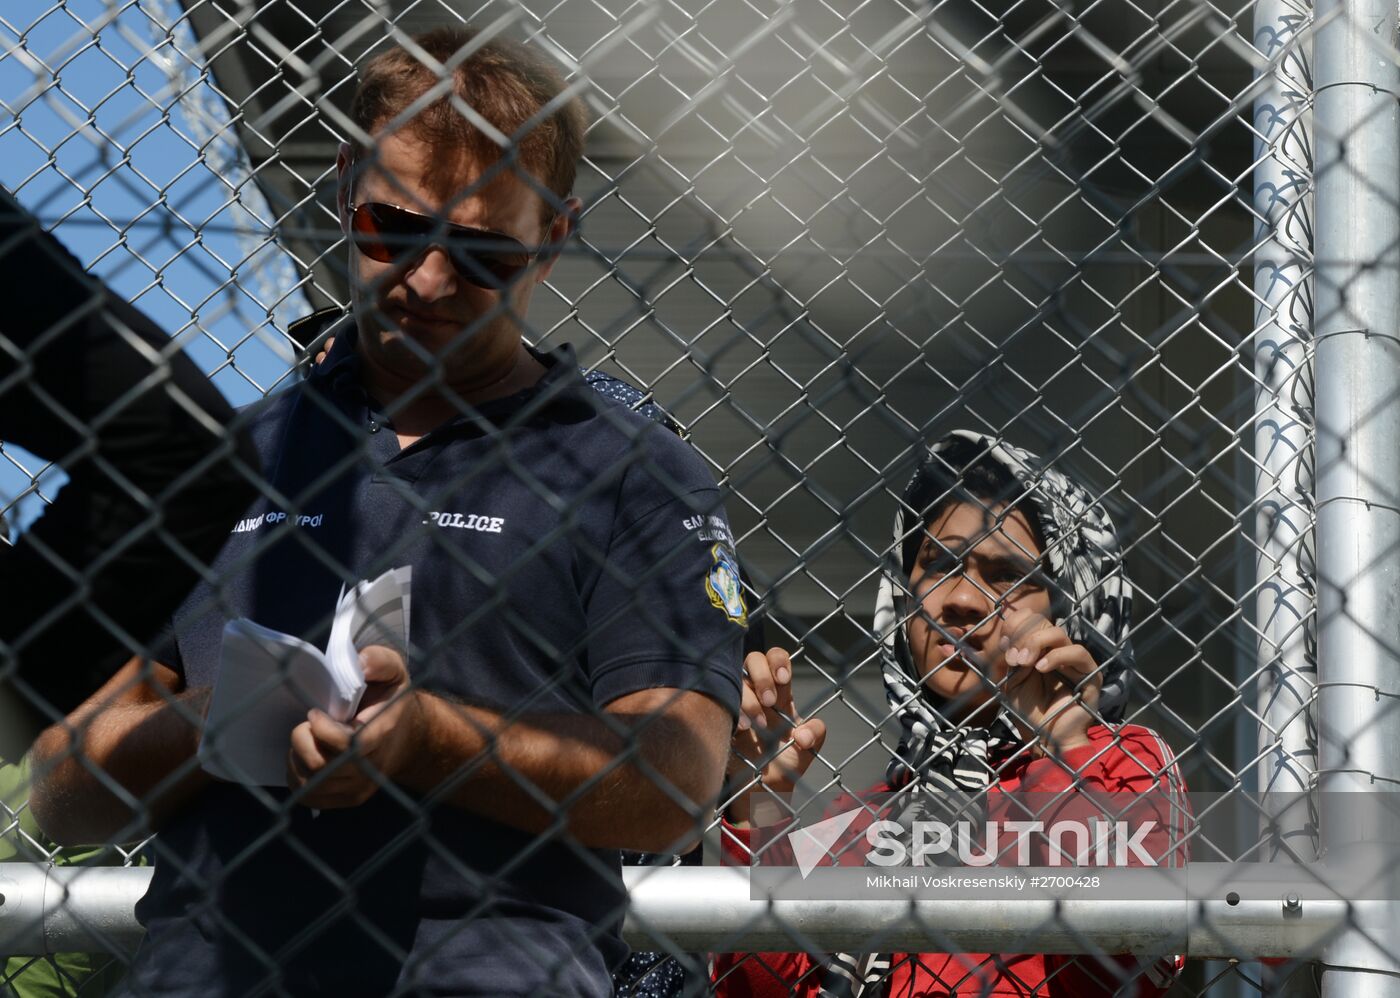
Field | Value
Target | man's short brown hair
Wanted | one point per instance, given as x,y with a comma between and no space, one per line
503,81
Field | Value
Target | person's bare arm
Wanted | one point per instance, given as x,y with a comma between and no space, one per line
643,775
116,767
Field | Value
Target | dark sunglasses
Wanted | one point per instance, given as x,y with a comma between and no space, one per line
387,233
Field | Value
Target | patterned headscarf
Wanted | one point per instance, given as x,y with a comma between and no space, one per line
1091,600
1084,565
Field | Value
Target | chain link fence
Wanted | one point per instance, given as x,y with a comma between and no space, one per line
815,237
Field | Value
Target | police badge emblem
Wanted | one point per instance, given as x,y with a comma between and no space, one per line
723,586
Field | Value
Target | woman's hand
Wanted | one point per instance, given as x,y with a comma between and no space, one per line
770,740
1051,684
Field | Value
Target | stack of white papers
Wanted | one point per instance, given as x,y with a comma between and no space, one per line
269,680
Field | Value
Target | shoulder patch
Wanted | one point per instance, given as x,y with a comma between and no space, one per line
723,586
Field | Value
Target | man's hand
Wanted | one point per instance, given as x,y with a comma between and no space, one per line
1052,684
770,736
335,765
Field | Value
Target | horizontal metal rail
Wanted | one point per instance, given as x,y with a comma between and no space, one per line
709,909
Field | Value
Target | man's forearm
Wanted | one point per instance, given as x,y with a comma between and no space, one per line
116,773
646,782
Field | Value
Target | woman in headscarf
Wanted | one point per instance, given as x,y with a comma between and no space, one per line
1003,617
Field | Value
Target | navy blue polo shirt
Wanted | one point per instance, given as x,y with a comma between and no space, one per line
566,551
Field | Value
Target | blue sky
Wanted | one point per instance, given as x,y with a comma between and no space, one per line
97,140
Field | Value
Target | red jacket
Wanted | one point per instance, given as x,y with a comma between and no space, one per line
1119,759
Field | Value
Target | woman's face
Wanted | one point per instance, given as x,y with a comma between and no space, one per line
975,582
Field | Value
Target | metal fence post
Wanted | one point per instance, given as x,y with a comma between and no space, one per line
1283,430
1283,423
1358,462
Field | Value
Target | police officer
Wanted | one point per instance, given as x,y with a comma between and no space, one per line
574,669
